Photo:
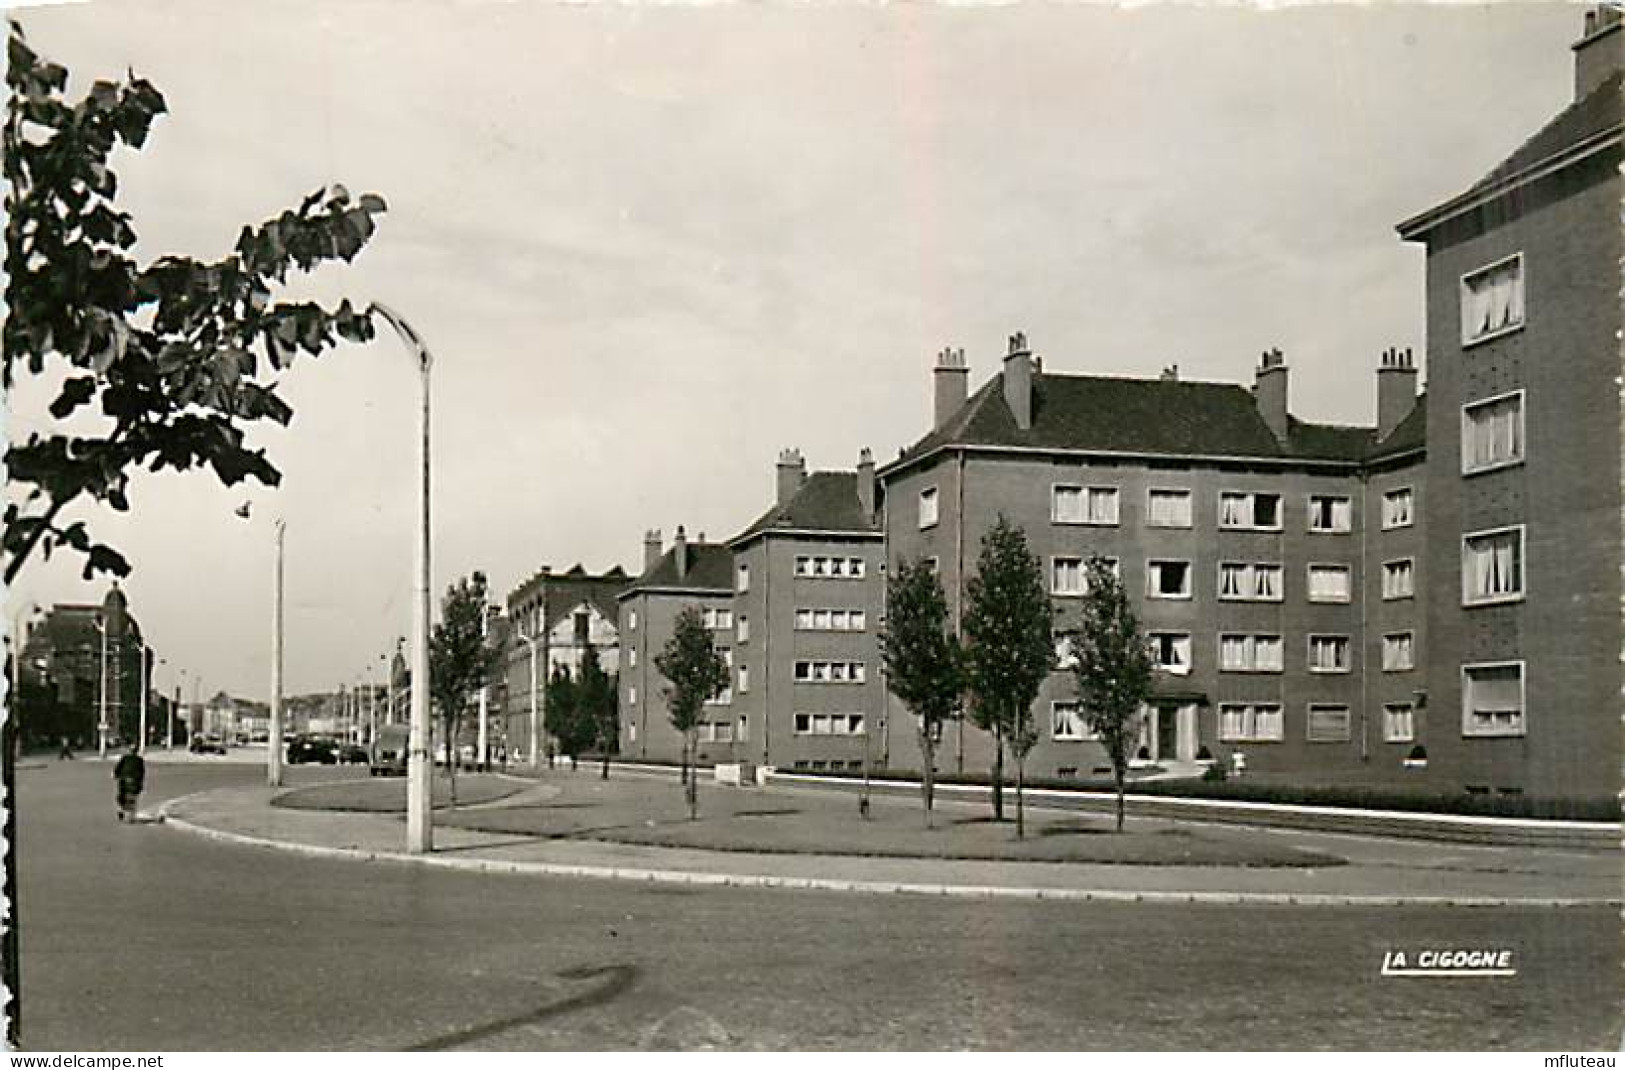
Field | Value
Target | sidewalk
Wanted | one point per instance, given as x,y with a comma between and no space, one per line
1380,872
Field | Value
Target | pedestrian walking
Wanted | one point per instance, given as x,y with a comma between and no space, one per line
131,776
66,753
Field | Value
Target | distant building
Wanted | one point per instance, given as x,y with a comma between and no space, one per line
65,662
551,619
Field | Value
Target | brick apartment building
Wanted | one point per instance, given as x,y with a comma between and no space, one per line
1521,562
808,598
61,680
551,620
690,573
1249,538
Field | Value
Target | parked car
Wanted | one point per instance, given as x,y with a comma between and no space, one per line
353,754
390,749
303,749
206,745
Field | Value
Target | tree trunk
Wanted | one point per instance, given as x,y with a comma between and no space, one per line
1021,773
603,774
1118,776
693,787
928,777
998,773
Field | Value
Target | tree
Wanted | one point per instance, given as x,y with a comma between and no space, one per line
1113,668
696,674
1009,649
564,720
460,659
168,352
595,697
922,659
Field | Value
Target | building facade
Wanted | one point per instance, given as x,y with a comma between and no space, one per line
73,658
1521,563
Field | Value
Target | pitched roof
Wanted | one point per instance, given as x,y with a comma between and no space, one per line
826,501
710,568
1596,113
1140,416
1411,434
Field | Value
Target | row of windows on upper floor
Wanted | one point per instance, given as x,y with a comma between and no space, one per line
1256,722
1245,652
1170,507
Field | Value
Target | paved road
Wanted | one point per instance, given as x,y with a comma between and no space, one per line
141,938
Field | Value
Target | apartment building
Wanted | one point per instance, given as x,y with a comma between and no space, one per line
1248,537
697,573
70,660
1520,567
808,597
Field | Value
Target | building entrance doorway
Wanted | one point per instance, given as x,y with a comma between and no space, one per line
1170,732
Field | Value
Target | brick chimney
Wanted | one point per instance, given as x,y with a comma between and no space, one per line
1018,380
1396,389
652,550
866,483
1270,393
949,379
792,473
679,552
1599,52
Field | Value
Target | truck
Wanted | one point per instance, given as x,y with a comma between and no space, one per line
390,750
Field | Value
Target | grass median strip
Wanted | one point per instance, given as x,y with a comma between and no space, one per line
388,795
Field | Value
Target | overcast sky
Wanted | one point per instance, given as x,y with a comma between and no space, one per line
652,246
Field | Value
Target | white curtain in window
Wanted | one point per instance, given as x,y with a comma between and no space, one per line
1230,580
1068,504
1232,510
1267,722
1267,582
1328,583
1170,510
1267,652
1102,505
1233,651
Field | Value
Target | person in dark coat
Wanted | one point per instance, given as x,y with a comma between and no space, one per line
131,775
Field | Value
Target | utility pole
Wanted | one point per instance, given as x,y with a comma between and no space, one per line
142,745
101,719
485,689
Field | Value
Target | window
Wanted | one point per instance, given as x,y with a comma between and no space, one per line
829,724
1083,505
631,620
1328,724
829,672
744,728
727,696
1328,513
1250,722
928,507
632,658
632,695
1398,723
1241,582
1397,506
1168,579
1492,699
1398,652
1492,433
830,620
1067,724
1249,653
1066,658
1257,511
1399,579
1069,575
849,568
1171,651
742,629
743,584
1168,509
1329,583
1492,300
1328,653
719,619
722,732
744,679
1492,567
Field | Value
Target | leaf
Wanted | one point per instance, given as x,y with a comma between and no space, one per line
371,202
75,392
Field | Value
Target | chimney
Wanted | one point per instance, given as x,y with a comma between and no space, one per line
1269,392
1396,389
950,377
679,552
1018,380
651,550
1170,374
792,473
866,483
1598,52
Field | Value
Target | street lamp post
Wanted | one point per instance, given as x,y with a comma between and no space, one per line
273,750
420,768
141,747
101,716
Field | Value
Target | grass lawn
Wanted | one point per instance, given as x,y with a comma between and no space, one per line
387,795
651,811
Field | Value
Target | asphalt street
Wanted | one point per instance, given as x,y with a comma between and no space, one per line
142,938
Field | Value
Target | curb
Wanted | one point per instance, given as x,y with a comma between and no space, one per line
828,884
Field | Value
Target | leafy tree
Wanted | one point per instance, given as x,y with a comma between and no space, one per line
595,697
168,352
1113,668
1009,649
564,721
696,674
460,659
922,659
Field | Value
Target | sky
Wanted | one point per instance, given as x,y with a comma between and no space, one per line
650,246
